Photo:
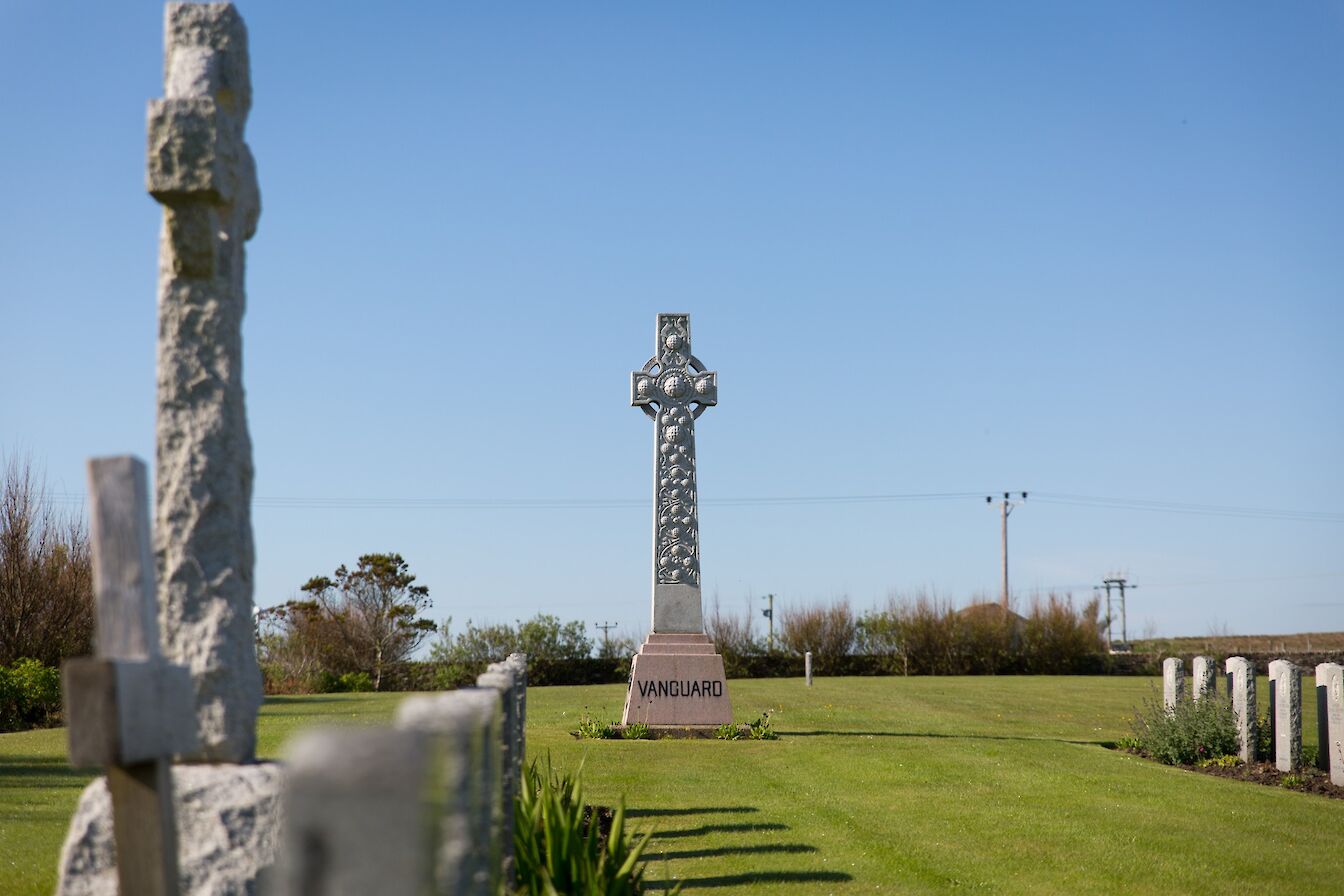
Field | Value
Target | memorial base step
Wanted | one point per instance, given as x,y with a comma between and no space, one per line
677,681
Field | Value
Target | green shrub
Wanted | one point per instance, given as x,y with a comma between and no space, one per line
1190,732
30,696
354,683
760,729
558,844
728,731
1264,739
1293,782
591,728
1220,762
1310,753
636,731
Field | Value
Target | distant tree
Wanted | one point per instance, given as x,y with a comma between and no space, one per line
827,631
542,637
358,620
46,574
617,646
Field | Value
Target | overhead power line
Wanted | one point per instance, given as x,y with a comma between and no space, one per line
1181,507
347,502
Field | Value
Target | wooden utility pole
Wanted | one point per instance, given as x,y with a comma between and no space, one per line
606,639
1005,508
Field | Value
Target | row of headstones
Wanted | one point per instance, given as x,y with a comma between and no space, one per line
422,806
1285,707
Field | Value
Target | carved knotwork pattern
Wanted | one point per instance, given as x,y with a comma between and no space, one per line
678,527
674,388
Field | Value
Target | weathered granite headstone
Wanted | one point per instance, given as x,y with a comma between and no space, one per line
1173,682
677,678
1285,714
128,710
228,818
1330,720
201,171
1241,691
466,724
1206,677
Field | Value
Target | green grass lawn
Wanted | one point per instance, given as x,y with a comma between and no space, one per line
895,784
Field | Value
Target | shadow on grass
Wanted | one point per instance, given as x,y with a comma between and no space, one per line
42,771
743,828
304,699
694,810
758,849
919,734
734,880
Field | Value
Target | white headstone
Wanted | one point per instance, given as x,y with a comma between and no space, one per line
1330,720
1206,677
359,814
1241,691
1285,714
466,726
1173,682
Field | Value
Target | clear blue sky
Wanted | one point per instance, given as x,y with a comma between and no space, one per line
929,248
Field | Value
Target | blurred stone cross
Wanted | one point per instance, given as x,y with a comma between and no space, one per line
129,710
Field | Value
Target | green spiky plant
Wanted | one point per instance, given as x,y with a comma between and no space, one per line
560,851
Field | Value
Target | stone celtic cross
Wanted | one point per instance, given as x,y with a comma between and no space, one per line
674,389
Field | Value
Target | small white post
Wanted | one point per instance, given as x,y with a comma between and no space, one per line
807,667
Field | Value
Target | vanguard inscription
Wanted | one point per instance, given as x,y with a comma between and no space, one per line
674,688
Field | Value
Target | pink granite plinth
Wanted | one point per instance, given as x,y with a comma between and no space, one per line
677,680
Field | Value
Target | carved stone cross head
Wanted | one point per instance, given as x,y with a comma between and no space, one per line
674,379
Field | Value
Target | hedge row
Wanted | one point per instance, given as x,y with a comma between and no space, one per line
431,676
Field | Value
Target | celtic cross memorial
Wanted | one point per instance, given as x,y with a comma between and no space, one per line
677,678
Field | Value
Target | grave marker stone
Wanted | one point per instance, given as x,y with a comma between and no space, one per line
127,709
1206,677
466,725
1285,714
677,678
359,812
1330,720
1241,691
201,170
1173,682
503,679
